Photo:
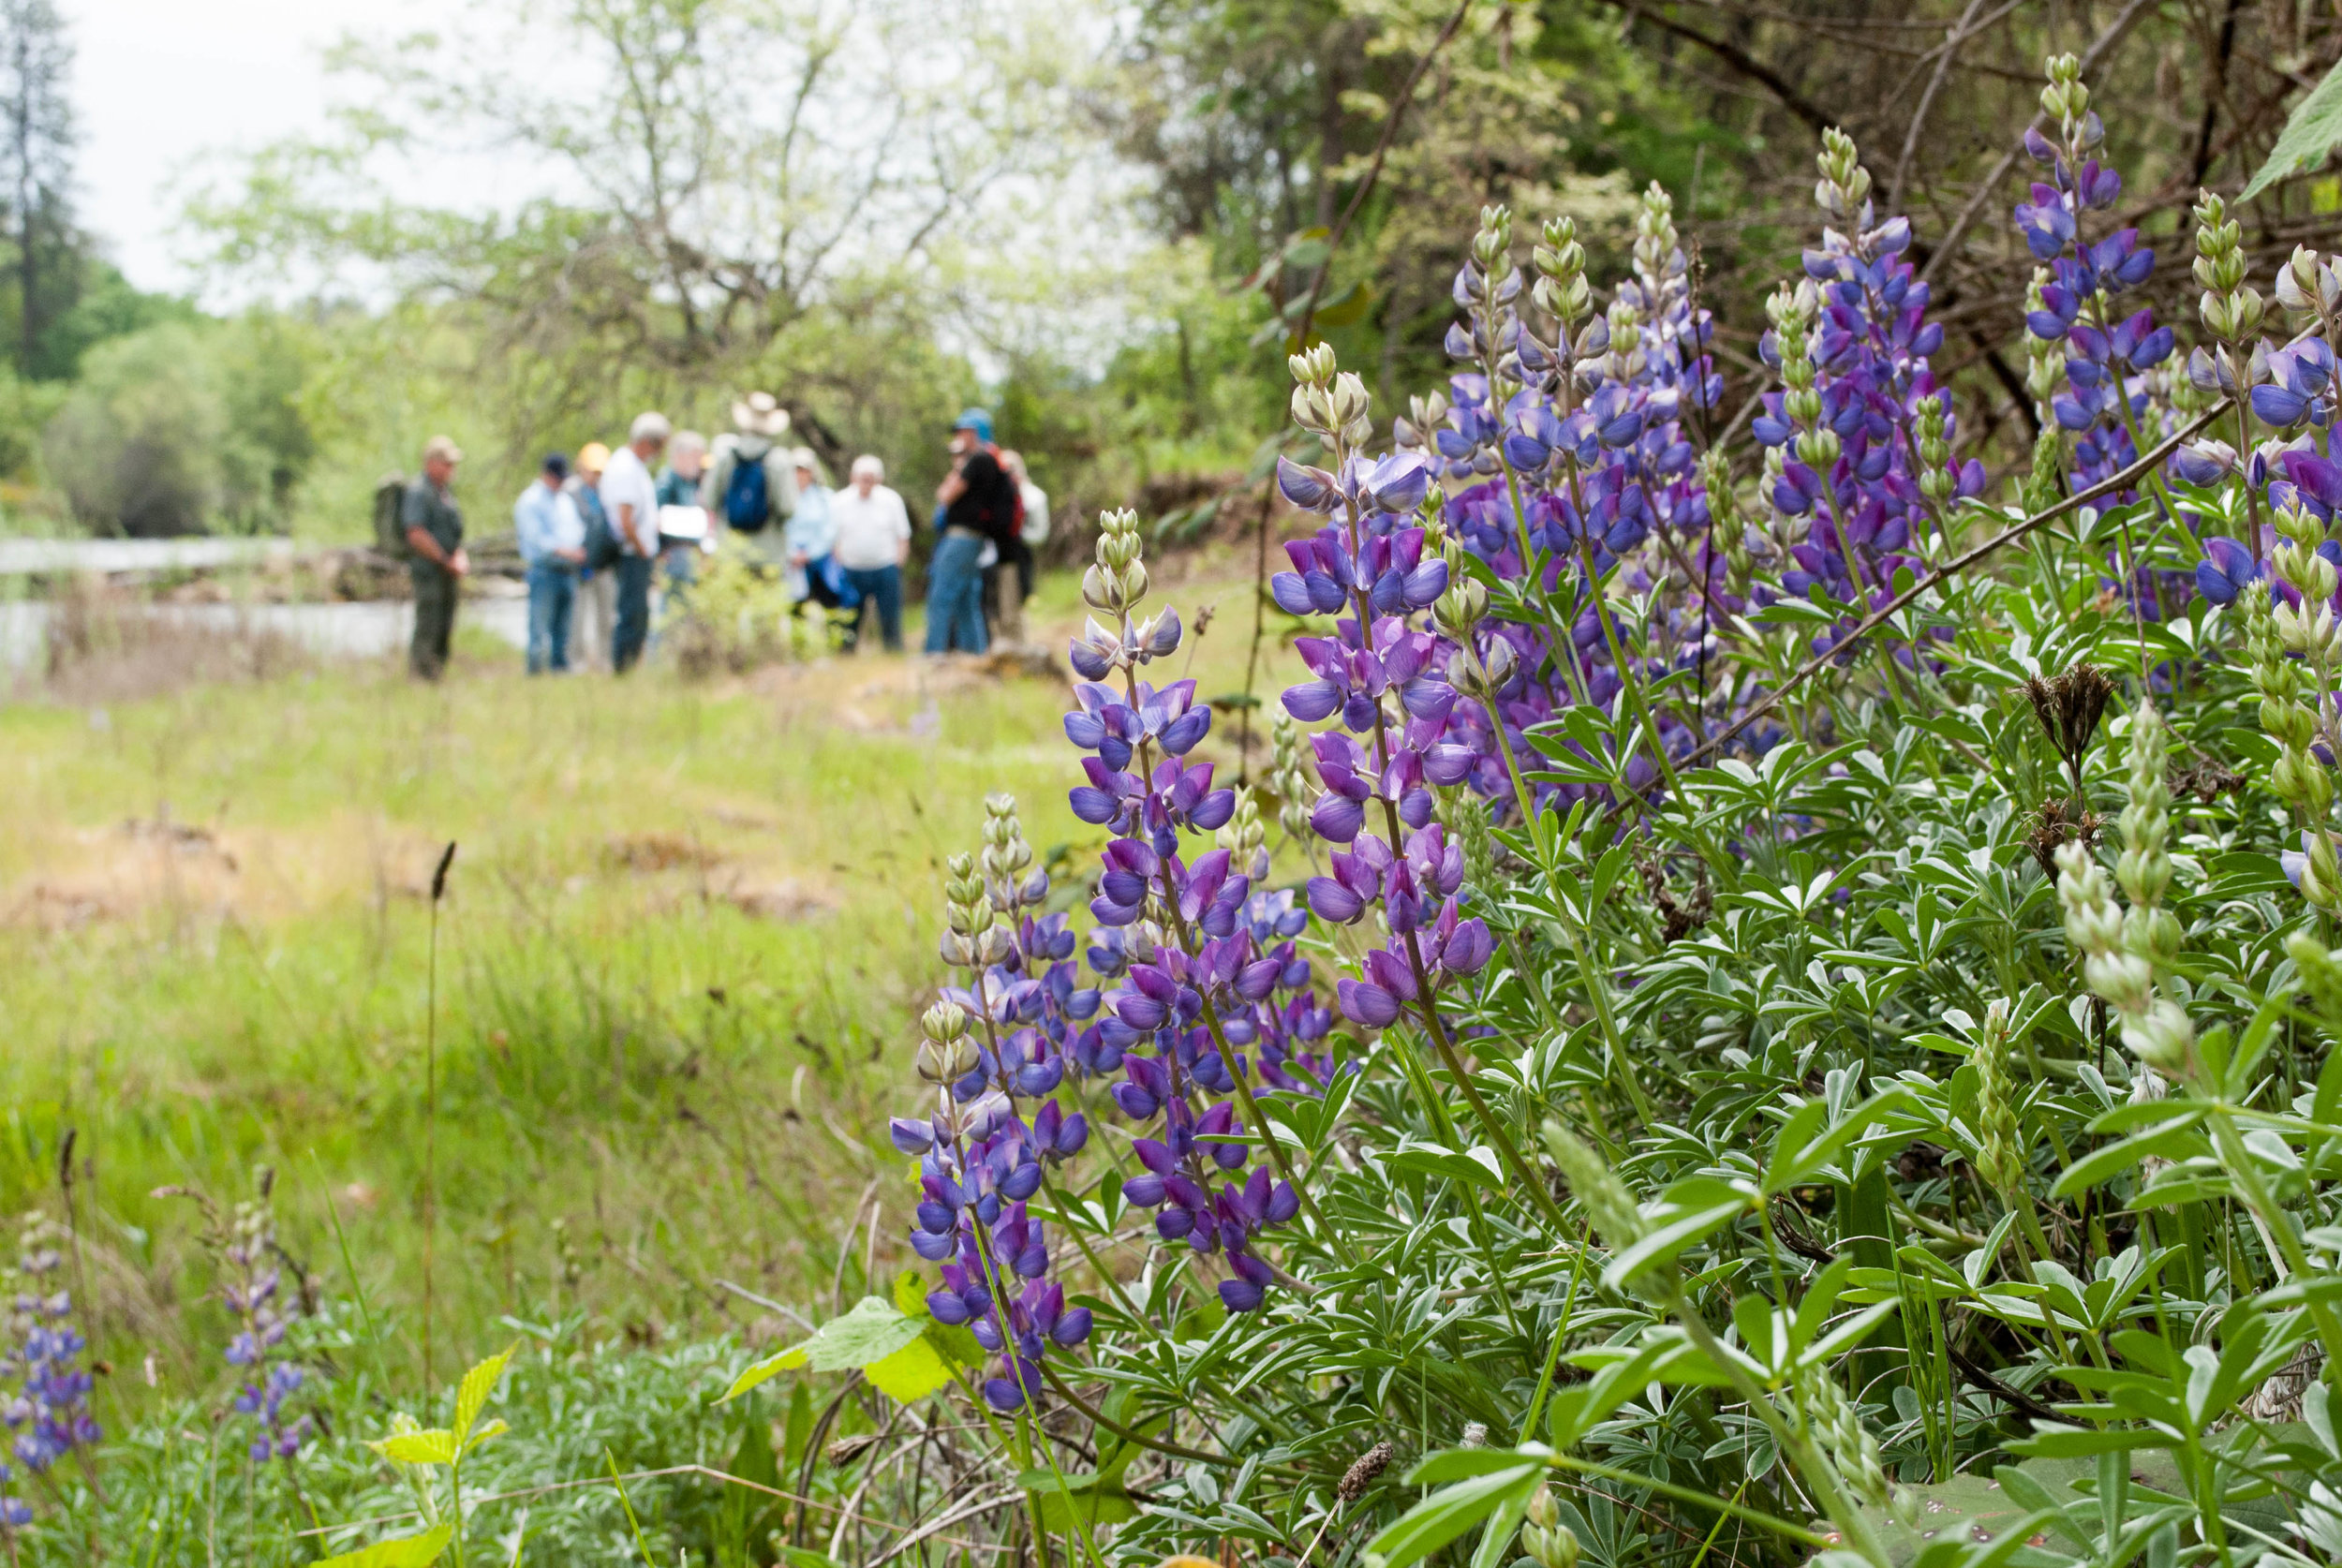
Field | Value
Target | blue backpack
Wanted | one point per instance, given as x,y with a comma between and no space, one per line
748,506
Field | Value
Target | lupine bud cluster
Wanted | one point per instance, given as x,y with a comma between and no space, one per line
1607,1202
1549,1542
2155,1029
2002,1160
1832,1421
2144,867
2231,308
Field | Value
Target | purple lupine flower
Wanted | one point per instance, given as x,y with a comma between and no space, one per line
47,1410
2227,571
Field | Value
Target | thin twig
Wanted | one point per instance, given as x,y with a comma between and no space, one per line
1958,564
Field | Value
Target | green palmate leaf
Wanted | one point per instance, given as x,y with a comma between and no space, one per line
873,1335
406,1552
1449,1512
2310,133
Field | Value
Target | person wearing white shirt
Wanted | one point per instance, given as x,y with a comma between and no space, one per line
1033,530
553,546
871,540
631,496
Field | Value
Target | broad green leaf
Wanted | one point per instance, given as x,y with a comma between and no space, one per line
406,1552
471,1395
1449,1513
2310,132
764,1372
910,1374
874,1330
434,1447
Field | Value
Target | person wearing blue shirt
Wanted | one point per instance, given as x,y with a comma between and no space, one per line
808,535
553,547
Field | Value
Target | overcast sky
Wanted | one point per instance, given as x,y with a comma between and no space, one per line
162,84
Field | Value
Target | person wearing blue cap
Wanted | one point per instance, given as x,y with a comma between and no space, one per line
977,505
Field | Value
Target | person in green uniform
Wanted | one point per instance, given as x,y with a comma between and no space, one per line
435,538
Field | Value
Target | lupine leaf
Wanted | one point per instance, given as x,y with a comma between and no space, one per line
1449,1512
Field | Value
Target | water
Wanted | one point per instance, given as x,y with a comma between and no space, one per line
367,630
20,557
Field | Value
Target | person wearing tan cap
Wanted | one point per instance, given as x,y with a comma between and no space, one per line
437,561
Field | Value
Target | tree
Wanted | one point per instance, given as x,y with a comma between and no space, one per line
707,174
36,139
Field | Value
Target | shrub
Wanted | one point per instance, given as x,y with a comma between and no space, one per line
1816,1022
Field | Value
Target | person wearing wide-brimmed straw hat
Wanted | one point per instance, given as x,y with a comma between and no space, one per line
750,485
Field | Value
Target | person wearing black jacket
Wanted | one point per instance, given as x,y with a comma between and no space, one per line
977,504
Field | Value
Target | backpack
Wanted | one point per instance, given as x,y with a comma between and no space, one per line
747,501
603,550
390,500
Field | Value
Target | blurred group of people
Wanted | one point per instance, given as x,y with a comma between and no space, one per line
597,530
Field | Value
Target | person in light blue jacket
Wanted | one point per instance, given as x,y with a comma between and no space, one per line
553,547
809,535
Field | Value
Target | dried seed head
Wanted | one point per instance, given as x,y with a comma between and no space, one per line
2068,707
1362,1472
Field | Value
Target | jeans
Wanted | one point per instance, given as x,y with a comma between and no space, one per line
633,629
883,587
552,595
955,594
435,593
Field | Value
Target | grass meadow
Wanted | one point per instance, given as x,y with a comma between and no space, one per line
682,941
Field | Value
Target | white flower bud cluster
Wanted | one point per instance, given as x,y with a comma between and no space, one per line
1010,882
2231,308
1550,1543
1930,425
1287,776
2155,1028
2066,100
1845,184
1117,580
1425,414
1330,404
1626,358
1481,672
2145,866
947,1053
2310,291
974,937
2297,777
2002,1162
1244,838
1792,310
1562,291
2308,628
1465,604
1833,1421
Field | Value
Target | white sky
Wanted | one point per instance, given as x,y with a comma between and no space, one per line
163,86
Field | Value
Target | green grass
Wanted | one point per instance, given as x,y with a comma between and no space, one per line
684,936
